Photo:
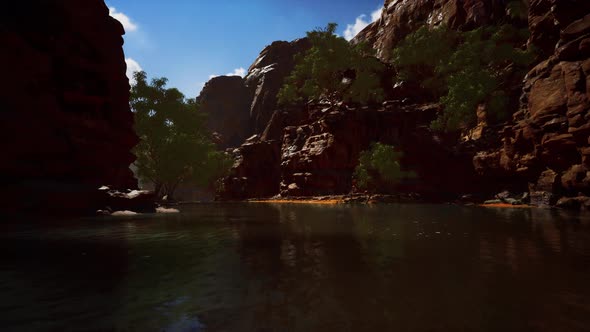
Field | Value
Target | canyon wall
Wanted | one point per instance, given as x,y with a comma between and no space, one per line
239,107
66,124
543,150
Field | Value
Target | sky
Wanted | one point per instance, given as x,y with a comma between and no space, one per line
190,41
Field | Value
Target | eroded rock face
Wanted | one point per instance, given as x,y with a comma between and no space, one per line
548,138
255,172
548,17
241,107
543,150
265,78
320,149
226,100
402,17
66,124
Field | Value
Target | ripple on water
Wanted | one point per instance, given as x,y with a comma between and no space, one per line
246,267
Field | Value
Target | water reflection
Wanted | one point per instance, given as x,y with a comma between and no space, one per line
265,267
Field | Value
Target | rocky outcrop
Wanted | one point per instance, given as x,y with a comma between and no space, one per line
400,18
66,124
319,158
226,100
320,147
547,18
138,201
265,78
547,143
255,173
543,151
241,107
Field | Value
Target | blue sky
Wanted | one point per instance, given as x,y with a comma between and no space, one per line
188,41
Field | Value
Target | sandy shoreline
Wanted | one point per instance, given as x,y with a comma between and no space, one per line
299,201
342,200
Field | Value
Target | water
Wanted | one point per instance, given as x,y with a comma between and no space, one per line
259,267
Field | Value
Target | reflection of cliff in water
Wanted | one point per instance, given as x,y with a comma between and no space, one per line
371,268
250,267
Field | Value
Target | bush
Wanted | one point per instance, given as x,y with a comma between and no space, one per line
175,146
464,69
379,167
332,67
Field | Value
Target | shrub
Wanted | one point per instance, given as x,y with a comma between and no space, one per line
324,70
464,69
379,167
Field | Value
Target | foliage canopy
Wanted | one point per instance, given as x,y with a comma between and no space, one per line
333,67
464,69
379,167
174,146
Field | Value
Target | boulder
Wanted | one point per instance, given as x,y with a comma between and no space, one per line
579,203
139,201
545,191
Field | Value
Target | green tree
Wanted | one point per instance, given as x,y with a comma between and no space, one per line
464,69
174,146
418,56
379,167
323,71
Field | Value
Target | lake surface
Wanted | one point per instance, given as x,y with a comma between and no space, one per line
264,267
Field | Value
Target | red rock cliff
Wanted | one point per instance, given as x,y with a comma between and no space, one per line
544,149
66,124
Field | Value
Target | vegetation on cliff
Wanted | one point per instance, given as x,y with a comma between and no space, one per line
465,69
175,146
333,68
379,168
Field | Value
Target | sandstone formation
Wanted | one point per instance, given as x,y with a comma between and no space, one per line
66,124
548,141
265,79
320,146
319,157
256,171
543,151
547,18
400,18
227,102
241,107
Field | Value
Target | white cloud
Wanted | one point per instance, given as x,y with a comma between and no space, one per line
360,23
376,14
238,72
132,67
129,25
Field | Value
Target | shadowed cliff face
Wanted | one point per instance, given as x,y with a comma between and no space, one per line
547,142
548,17
241,107
544,149
402,17
226,99
66,124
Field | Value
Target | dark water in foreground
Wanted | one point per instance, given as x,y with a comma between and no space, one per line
258,267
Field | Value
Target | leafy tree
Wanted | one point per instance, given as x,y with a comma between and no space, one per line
464,69
333,67
378,167
174,146
420,54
